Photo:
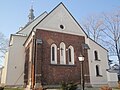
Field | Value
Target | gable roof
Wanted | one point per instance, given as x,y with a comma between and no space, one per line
31,24
69,14
60,4
61,11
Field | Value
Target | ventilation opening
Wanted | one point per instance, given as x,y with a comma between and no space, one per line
61,26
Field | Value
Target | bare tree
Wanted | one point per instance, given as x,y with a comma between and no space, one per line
3,46
112,31
100,30
94,28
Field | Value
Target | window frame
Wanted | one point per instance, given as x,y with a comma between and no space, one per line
71,55
55,54
98,72
96,57
62,53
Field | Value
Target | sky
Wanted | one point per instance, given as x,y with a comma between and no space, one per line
14,13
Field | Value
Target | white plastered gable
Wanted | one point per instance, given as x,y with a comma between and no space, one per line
60,16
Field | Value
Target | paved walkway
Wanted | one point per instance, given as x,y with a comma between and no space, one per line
92,88
89,88
100,89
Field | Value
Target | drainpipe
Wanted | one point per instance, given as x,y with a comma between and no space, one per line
33,62
38,43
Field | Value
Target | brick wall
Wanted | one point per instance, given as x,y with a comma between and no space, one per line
55,74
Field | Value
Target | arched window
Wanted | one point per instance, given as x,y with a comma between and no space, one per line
96,55
97,70
53,54
62,53
70,55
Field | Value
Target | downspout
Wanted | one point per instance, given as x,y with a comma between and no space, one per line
37,74
41,61
33,61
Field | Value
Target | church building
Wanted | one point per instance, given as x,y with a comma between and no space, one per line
45,53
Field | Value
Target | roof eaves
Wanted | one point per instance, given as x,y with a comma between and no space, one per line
42,20
15,35
97,43
30,22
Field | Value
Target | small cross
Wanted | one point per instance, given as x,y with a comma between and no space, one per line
61,51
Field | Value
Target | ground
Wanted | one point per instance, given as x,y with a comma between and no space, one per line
13,89
85,89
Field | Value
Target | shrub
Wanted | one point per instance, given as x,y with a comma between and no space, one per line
64,86
70,86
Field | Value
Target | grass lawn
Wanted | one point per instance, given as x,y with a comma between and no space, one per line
13,89
115,88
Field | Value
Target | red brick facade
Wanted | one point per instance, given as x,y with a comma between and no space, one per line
52,74
55,74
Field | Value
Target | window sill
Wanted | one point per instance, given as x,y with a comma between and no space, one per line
66,65
99,76
97,60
